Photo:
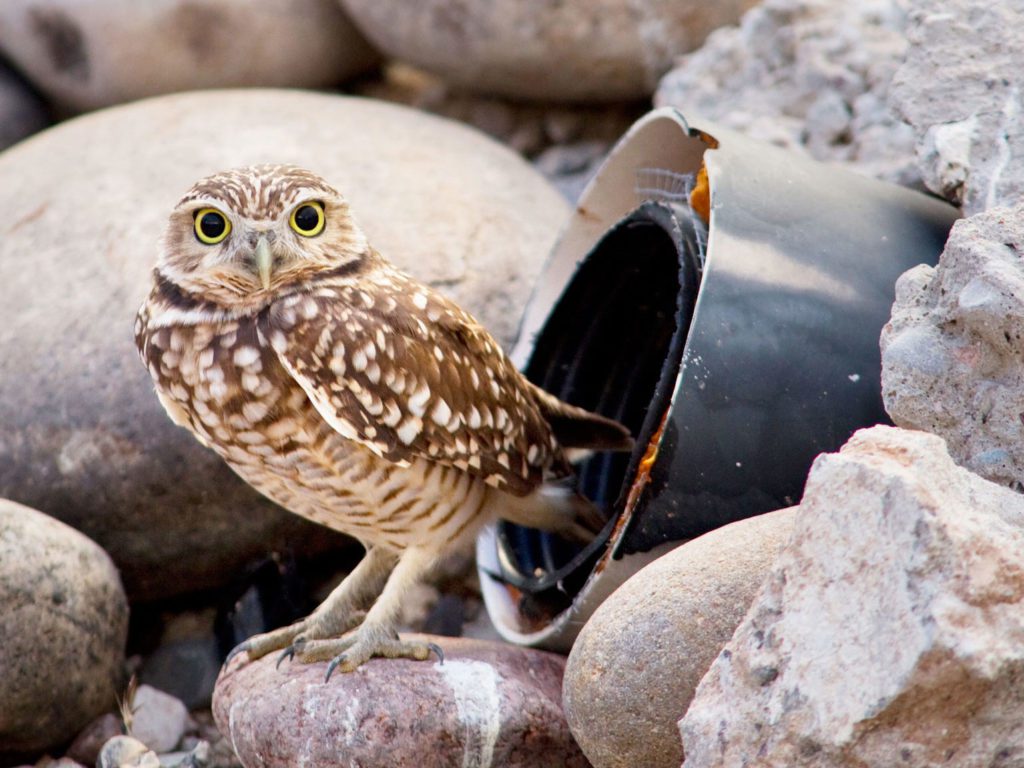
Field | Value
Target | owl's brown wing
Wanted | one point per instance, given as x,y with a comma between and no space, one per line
408,374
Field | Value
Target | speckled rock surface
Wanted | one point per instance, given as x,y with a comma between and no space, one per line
85,54
951,354
962,89
64,622
638,660
489,704
579,50
810,75
82,436
21,111
890,630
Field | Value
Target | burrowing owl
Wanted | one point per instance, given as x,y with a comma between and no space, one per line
350,394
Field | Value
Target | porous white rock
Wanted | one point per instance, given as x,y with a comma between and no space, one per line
575,50
891,629
85,54
962,89
952,352
809,75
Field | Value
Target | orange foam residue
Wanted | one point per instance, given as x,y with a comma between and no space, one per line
700,197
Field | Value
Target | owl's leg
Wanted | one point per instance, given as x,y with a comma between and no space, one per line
335,615
376,636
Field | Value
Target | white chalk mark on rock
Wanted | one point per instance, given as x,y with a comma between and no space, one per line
475,687
1010,108
231,726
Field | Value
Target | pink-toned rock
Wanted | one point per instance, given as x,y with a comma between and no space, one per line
88,743
489,704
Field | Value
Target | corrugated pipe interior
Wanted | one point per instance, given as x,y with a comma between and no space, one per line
723,299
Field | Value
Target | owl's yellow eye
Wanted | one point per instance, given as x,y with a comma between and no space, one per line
212,226
308,219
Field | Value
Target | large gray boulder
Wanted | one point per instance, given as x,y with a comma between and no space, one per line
638,660
890,630
85,54
82,435
575,50
63,624
962,90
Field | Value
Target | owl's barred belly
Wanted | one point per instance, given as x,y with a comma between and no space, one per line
234,395
371,499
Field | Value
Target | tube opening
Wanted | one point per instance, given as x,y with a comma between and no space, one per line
613,345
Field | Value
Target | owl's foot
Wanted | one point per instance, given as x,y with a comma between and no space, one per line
349,653
313,628
339,613
258,646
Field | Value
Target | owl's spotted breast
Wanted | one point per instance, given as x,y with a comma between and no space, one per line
229,388
328,394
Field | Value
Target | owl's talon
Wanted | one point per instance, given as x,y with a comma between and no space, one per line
242,647
360,650
437,651
333,666
287,653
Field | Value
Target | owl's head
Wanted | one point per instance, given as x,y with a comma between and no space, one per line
238,237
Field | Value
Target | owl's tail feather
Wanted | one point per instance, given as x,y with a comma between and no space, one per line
555,506
579,428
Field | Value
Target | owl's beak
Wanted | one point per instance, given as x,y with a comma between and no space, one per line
264,261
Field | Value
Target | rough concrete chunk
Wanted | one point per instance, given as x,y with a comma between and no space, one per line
962,89
810,75
891,630
952,353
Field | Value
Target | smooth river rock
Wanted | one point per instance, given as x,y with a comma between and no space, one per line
951,354
488,704
576,50
159,719
890,630
82,435
86,54
63,624
638,660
